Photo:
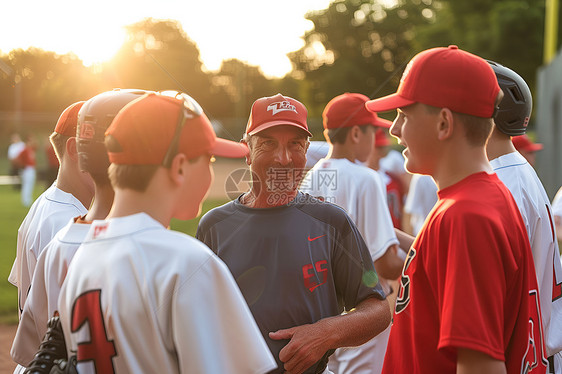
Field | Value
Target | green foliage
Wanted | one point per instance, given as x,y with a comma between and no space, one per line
354,45
43,81
357,46
506,31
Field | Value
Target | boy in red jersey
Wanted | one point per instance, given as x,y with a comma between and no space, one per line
468,301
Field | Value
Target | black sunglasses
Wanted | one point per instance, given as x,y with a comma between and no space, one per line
190,110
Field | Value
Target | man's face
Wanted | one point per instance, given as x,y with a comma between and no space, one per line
415,127
278,157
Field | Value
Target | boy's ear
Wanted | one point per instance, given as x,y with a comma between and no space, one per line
247,157
70,148
354,134
445,124
179,169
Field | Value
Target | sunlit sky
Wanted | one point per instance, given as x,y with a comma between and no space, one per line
260,32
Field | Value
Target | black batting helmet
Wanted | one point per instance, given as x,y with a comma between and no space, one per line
515,108
94,118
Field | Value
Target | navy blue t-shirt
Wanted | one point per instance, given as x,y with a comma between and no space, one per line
295,264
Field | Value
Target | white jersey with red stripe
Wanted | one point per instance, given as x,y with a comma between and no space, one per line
48,214
140,298
533,203
43,296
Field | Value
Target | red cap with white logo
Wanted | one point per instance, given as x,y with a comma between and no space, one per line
276,111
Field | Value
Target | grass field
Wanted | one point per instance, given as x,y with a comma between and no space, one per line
11,216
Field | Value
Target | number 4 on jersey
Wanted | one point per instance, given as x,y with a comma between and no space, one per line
100,350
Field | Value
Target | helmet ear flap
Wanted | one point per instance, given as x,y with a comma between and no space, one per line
514,110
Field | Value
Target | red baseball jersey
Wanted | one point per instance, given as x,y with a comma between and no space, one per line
468,282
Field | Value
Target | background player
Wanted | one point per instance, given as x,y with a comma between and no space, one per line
468,299
395,189
422,196
531,198
94,118
298,261
138,297
350,128
527,147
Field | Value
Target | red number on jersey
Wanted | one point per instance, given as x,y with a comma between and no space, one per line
100,350
403,298
535,357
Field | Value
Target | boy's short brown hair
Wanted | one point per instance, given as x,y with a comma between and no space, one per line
134,177
339,135
477,129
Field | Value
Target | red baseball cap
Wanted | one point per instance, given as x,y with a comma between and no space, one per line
524,143
66,125
381,138
145,127
348,110
276,111
445,78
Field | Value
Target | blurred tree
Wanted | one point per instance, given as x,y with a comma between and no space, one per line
506,31
48,82
158,55
358,46
244,84
361,45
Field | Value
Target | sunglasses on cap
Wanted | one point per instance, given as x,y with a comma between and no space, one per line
190,110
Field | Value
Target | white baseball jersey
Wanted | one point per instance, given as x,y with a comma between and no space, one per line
557,203
316,151
48,214
360,191
15,149
533,203
42,300
138,298
421,198
393,163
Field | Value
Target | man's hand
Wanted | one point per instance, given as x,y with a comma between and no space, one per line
307,345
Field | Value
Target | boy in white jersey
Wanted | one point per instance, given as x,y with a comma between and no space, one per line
138,297
94,118
68,197
350,129
533,202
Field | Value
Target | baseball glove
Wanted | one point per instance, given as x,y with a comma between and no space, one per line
52,348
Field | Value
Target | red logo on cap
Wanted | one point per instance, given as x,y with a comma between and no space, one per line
87,131
281,107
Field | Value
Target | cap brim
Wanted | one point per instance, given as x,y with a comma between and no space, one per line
381,122
534,147
230,149
388,103
268,125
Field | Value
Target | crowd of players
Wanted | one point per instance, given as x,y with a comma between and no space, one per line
315,269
